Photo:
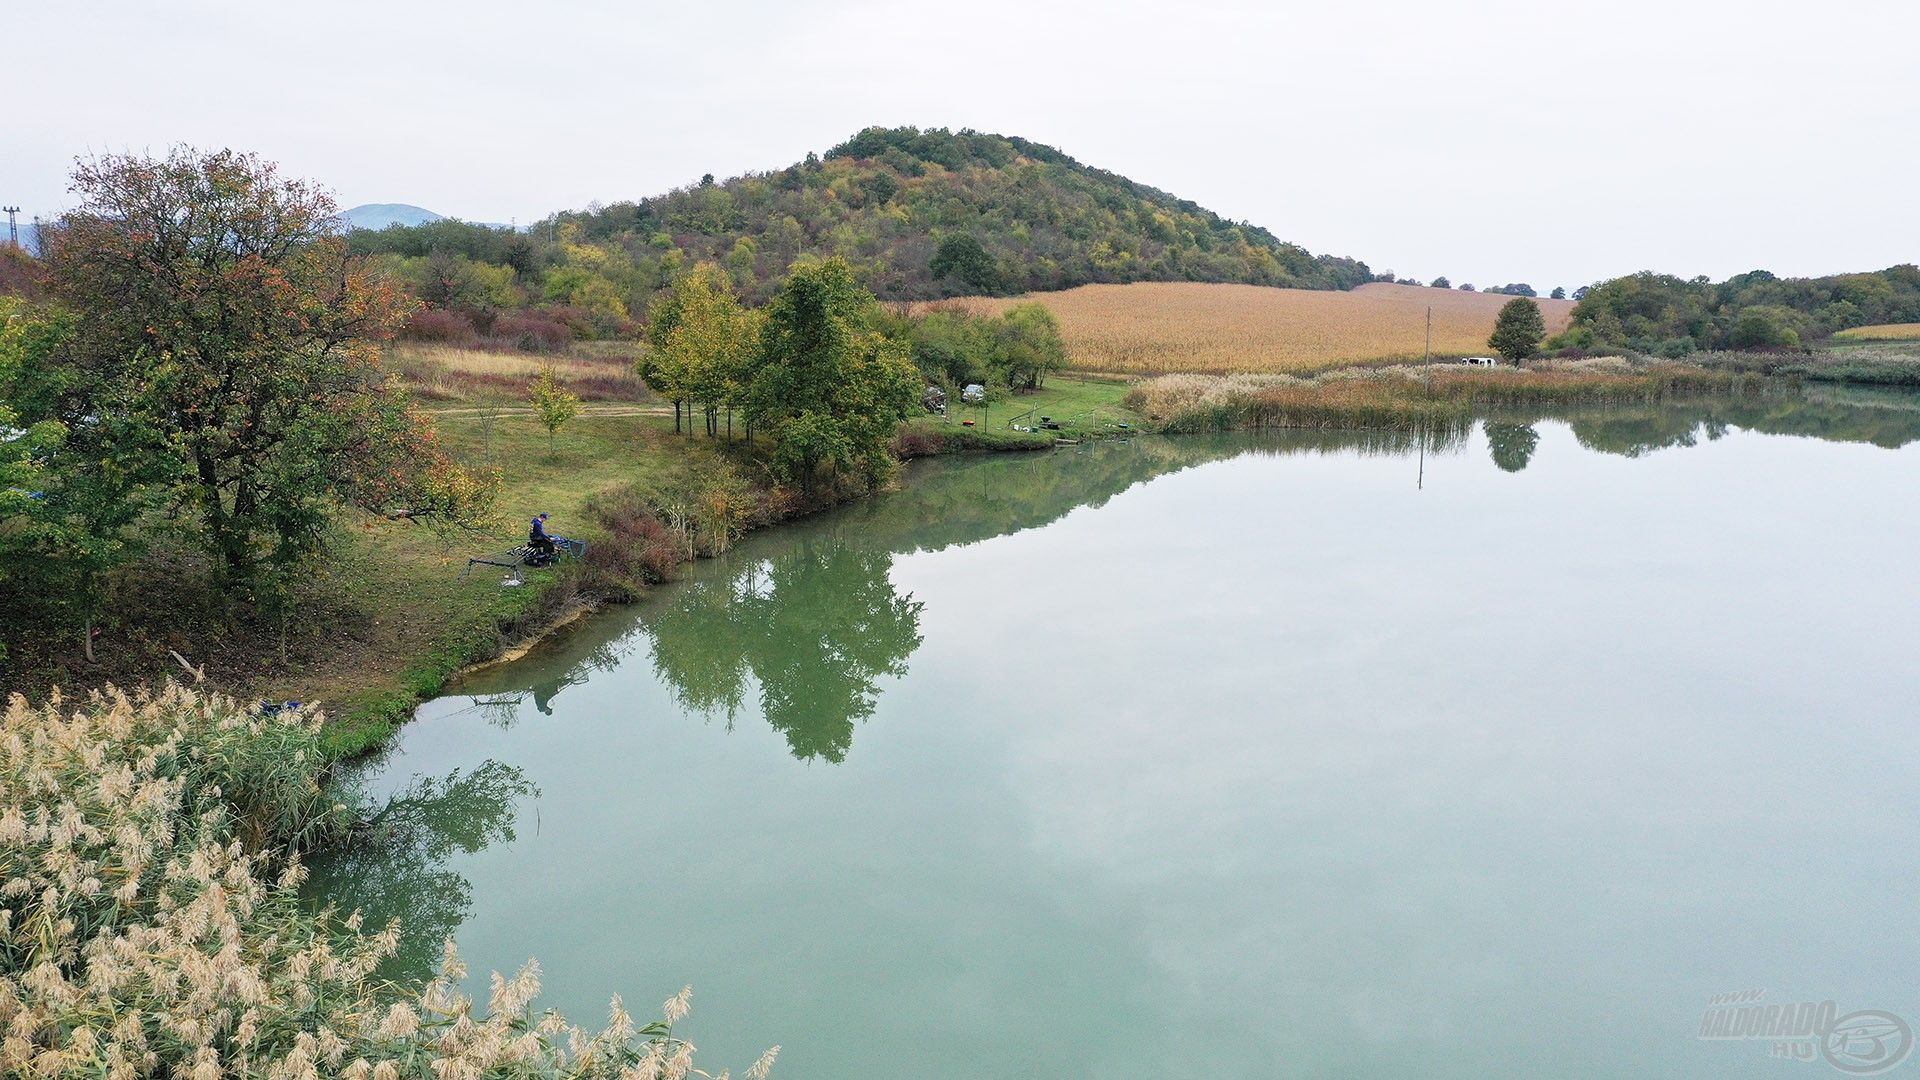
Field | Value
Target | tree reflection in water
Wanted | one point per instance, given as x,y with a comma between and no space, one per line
815,628
396,867
1512,445
808,633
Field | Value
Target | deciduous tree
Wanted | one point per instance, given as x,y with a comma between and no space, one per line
1518,330
702,345
553,404
221,325
831,389
962,258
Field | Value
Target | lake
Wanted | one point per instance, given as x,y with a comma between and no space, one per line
1497,753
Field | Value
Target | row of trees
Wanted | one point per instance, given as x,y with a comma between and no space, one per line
814,371
1518,288
952,347
1664,314
205,365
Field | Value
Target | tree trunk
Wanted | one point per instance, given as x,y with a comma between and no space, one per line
86,641
676,416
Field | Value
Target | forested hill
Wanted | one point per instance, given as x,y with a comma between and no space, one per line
907,205
921,214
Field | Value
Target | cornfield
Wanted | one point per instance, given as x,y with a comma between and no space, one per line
1182,326
1882,332
150,922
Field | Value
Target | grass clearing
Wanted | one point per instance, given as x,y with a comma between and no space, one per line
407,615
439,373
1155,328
1082,405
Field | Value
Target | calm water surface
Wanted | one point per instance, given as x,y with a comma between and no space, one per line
1293,755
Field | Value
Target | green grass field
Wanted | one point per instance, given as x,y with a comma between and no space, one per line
1082,405
406,613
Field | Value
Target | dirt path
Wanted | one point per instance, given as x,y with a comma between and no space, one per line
585,410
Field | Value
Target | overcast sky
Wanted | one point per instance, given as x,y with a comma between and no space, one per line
1547,142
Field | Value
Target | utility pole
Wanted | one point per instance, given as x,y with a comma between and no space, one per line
1428,364
1420,482
13,230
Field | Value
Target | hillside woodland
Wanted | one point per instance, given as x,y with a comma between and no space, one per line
918,214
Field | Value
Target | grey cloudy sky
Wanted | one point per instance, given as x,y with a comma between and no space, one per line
1554,143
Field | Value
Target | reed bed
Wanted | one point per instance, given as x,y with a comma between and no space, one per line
1165,327
150,923
452,373
1435,397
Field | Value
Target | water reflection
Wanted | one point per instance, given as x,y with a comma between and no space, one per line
1844,414
1512,445
397,866
804,624
808,627
815,628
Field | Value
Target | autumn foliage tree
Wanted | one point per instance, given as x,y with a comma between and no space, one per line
553,404
702,345
223,327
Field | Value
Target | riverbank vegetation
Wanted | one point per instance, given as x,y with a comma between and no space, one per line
151,923
1663,315
1223,329
1398,398
208,465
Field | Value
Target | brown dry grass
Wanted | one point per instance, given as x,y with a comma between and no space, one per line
1182,326
1882,332
448,373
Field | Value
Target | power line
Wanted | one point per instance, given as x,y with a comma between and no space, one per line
13,230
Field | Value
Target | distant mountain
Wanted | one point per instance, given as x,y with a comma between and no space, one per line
380,215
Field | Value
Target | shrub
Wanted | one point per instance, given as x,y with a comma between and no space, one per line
532,331
1674,348
912,442
441,325
638,548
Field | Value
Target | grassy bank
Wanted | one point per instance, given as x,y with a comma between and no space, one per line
392,611
1084,406
1862,362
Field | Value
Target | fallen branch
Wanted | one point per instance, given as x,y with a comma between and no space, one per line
199,673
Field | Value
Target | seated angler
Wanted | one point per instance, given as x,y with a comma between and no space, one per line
537,537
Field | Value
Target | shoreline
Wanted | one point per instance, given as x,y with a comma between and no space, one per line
357,730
